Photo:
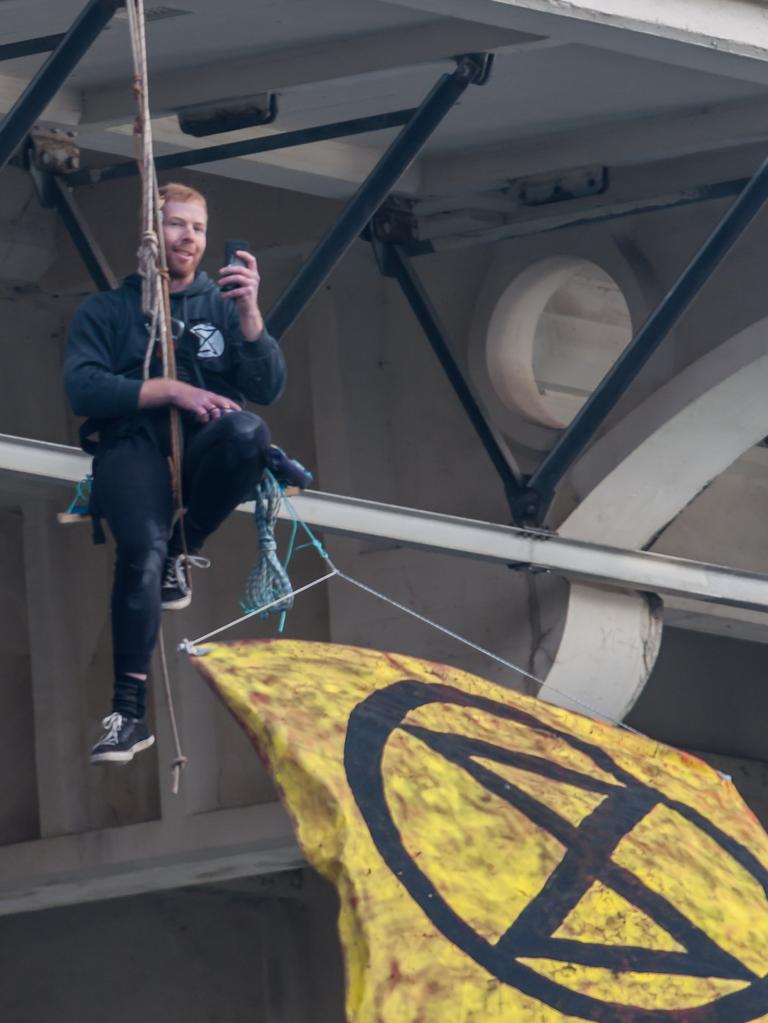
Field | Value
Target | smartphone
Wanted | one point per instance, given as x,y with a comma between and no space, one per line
231,246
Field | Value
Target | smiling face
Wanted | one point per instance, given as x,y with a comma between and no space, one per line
184,230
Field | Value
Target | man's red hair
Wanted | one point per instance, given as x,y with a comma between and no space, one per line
182,193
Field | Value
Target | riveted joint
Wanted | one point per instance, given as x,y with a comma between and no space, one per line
474,68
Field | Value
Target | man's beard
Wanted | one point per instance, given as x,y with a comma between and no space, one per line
178,273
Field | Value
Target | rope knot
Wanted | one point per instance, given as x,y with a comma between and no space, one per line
177,767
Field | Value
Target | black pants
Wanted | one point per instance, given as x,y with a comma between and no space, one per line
223,462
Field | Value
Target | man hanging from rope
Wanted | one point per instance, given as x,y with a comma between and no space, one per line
223,356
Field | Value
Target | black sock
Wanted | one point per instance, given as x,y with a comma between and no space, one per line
129,697
193,536
175,546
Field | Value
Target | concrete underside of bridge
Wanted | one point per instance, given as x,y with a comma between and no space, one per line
671,100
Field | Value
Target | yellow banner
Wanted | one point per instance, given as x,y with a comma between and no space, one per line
498,859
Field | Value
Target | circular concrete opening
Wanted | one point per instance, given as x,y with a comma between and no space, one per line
554,333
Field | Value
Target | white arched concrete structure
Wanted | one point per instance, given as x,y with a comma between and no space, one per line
636,480
509,264
514,344
512,334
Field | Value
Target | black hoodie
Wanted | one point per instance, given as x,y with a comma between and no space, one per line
107,343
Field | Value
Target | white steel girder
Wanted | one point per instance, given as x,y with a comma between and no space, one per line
532,550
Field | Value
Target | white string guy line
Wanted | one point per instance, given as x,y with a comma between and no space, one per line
480,649
190,646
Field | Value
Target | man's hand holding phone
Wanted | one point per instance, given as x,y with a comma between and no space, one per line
239,283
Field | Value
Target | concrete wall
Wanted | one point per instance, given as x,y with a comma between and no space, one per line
255,951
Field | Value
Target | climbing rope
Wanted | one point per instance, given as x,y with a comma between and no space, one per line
80,503
155,297
267,582
179,762
150,255
155,300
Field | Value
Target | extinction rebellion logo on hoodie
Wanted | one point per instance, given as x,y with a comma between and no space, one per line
210,342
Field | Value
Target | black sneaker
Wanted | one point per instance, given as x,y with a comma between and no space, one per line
175,588
123,737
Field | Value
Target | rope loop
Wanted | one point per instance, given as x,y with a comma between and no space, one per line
267,582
